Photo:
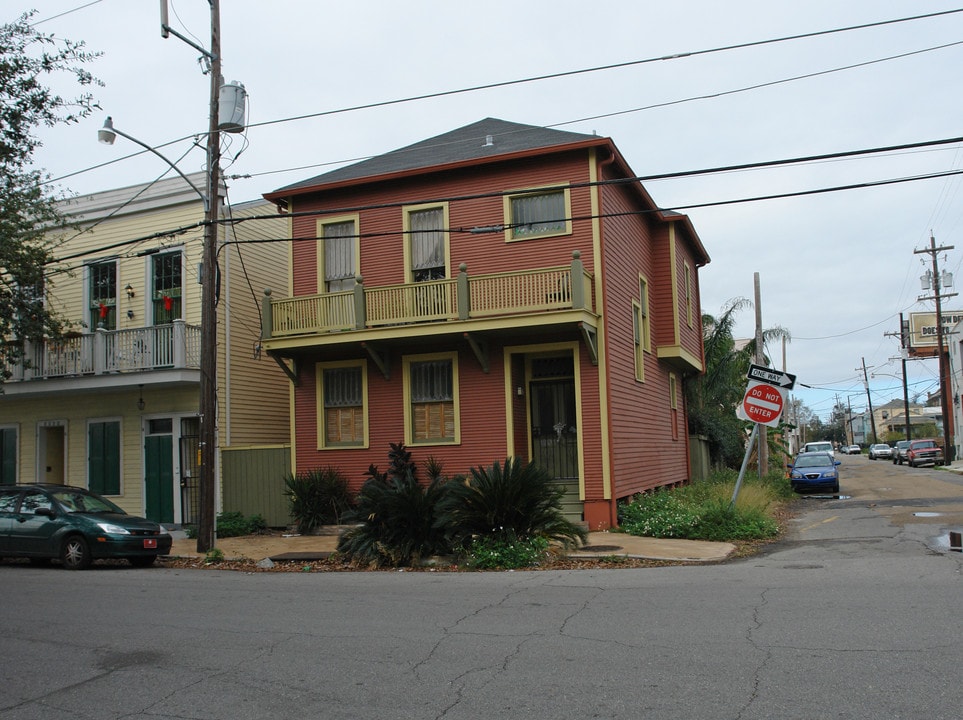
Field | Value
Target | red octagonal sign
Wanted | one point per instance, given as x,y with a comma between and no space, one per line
763,404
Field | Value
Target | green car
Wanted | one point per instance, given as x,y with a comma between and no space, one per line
76,526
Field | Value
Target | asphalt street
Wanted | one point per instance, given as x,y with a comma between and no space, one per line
855,614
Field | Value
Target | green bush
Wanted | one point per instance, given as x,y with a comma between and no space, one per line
512,502
661,514
235,524
317,497
491,552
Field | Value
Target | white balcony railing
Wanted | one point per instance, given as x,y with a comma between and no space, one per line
160,347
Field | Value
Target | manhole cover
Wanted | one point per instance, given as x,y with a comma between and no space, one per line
600,548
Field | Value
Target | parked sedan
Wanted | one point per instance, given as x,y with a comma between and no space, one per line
47,522
899,452
880,450
852,450
814,471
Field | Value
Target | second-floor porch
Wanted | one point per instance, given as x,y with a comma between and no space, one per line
107,355
520,299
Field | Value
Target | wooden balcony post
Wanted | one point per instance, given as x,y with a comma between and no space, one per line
267,316
464,299
360,309
100,350
578,281
180,343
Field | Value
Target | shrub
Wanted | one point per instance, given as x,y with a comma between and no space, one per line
512,502
661,514
316,498
489,552
235,524
397,515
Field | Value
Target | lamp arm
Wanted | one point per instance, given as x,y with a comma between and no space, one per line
172,165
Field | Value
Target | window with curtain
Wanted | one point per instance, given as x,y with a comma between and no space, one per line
102,293
432,394
166,288
427,238
339,256
536,214
342,390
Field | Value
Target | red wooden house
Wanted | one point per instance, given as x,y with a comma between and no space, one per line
498,290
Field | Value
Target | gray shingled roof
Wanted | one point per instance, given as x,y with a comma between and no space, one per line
460,145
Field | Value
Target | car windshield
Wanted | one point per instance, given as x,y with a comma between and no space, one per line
73,501
813,459
924,445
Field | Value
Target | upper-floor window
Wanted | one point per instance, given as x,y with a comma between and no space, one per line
537,214
427,251
432,399
102,295
340,255
674,405
342,397
166,287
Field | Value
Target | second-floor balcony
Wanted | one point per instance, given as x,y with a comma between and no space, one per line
464,298
104,352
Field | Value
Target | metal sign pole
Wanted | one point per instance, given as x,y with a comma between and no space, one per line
745,462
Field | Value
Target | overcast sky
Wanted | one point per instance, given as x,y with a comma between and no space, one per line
836,268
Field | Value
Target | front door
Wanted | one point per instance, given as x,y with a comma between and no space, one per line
554,426
159,471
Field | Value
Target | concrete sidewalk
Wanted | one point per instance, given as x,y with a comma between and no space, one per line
599,544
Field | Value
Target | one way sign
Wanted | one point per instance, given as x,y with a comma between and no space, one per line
772,377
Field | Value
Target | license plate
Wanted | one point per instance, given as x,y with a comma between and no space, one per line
150,544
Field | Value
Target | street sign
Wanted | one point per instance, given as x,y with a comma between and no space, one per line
762,404
773,377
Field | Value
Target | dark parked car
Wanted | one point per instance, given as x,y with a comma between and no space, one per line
45,522
814,471
924,452
899,452
880,450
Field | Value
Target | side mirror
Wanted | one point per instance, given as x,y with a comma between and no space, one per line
46,512
837,462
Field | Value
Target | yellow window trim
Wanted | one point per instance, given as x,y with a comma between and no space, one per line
406,362
638,340
406,223
319,369
541,190
335,220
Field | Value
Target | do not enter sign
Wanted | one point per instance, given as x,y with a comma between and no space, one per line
762,404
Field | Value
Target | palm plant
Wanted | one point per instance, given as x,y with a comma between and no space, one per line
317,497
514,501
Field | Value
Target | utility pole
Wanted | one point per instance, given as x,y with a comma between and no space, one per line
208,384
933,250
872,418
763,437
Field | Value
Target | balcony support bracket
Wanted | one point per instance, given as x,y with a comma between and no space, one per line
379,358
591,342
480,348
292,373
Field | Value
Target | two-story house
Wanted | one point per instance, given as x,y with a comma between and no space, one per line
114,405
499,290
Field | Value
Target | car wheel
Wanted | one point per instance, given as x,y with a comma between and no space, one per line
75,554
142,561
836,487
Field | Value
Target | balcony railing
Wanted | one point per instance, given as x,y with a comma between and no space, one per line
176,345
464,298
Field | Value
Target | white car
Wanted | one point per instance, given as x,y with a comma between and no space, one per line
818,446
880,450
853,450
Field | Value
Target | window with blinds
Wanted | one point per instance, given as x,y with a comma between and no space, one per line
427,238
343,405
340,241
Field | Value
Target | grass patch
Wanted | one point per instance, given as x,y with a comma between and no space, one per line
701,511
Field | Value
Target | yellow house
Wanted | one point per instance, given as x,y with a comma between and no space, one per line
114,406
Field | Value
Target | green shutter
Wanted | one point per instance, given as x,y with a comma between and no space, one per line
8,456
103,457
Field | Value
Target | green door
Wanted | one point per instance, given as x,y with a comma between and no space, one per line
159,478
8,456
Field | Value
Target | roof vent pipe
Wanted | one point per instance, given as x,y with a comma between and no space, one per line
489,140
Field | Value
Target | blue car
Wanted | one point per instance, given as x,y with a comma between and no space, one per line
814,472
